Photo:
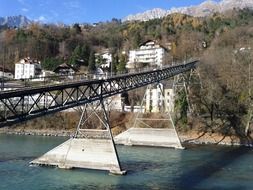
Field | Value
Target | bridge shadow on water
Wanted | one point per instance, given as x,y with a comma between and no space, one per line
187,176
190,179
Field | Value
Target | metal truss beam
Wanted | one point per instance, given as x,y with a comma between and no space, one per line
27,103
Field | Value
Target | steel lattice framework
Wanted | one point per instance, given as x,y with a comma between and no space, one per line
27,103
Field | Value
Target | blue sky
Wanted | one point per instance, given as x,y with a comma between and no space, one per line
84,11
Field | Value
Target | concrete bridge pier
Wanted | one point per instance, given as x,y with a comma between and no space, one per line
144,134
88,148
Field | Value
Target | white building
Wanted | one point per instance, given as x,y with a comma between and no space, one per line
5,73
106,59
116,103
135,109
27,68
157,100
149,53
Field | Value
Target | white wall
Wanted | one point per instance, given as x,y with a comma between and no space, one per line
155,99
26,71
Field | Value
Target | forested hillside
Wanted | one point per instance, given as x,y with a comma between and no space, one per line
52,44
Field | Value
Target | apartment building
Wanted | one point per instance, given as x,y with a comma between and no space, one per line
27,68
160,98
149,53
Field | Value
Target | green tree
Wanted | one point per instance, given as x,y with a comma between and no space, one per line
121,67
85,54
137,39
80,55
115,62
92,64
100,60
77,28
75,55
181,105
51,63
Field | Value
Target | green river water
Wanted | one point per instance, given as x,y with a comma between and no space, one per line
197,167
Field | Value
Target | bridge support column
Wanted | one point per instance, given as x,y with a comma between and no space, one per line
88,148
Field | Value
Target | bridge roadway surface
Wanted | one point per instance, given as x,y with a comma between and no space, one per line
31,102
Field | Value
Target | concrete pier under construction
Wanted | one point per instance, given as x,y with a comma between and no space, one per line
83,153
149,137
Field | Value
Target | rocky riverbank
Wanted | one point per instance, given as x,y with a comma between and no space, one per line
195,137
64,124
42,132
192,137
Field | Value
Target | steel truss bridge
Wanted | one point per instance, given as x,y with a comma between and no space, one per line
31,102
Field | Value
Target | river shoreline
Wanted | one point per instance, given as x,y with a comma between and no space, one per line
213,139
186,138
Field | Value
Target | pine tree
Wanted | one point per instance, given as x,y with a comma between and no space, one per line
75,55
115,62
121,67
92,64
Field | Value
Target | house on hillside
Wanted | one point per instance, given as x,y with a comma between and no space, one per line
65,69
27,68
149,53
104,59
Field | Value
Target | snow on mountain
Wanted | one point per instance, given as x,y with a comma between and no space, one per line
148,15
204,9
15,21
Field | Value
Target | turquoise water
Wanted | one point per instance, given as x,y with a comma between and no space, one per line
197,167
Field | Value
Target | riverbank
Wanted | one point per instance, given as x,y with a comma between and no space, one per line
37,132
192,137
64,124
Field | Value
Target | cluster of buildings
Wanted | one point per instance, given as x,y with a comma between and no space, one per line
149,54
159,98
28,68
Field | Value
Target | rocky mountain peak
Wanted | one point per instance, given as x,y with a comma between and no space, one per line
15,21
204,9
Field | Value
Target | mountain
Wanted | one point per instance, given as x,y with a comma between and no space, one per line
147,15
204,9
15,21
